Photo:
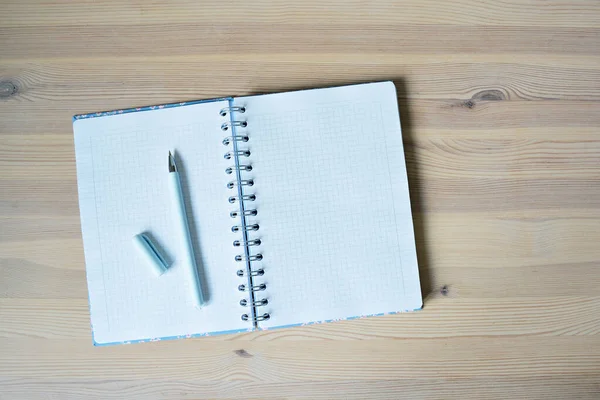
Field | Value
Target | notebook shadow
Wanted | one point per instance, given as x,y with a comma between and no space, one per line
193,224
416,185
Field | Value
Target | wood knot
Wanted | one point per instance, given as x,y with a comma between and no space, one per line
468,104
243,353
7,89
445,290
489,95
484,95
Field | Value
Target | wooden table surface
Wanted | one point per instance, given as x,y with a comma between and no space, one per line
500,108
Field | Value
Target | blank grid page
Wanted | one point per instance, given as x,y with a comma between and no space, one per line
333,204
122,173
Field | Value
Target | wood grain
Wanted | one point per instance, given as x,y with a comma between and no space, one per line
500,109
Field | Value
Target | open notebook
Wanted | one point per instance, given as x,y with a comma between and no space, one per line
332,207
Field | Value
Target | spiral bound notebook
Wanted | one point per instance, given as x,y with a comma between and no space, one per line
298,204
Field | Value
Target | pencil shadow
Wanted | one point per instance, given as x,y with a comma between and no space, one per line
193,224
415,183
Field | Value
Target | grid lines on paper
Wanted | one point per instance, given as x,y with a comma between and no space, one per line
311,164
123,189
132,196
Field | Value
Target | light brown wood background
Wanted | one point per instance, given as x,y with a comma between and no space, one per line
500,107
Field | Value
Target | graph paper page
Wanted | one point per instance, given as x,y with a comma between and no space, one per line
333,204
122,171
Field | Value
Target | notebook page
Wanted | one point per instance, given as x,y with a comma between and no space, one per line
122,172
333,204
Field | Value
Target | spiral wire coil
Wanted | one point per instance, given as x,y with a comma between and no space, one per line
236,140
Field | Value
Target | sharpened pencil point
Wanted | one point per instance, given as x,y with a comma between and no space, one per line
172,165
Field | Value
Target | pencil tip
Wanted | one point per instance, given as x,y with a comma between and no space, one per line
172,165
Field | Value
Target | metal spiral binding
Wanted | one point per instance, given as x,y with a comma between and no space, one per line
244,227
256,272
239,138
245,197
254,242
263,302
236,153
236,140
243,182
251,213
230,170
263,317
